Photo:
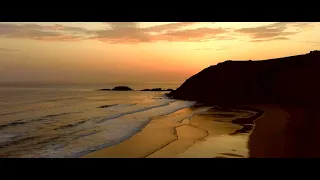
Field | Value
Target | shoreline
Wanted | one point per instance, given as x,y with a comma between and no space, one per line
167,137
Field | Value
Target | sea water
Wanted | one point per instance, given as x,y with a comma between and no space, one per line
71,121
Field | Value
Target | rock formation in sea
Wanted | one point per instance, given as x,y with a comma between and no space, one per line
104,89
293,79
157,89
121,88
126,88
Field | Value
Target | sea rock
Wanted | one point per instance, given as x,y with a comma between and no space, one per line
121,88
146,90
293,79
104,89
157,89
106,106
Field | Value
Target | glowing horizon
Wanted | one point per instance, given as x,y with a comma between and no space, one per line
141,52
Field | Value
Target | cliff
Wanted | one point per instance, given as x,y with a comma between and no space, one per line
294,79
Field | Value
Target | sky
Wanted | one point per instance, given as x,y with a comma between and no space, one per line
102,52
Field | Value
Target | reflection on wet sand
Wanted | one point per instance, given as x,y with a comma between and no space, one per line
218,146
206,132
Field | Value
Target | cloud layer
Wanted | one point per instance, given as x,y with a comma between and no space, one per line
131,32
275,31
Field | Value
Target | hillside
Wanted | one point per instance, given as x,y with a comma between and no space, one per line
293,79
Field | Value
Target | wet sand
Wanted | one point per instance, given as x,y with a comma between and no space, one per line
209,134
227,140
289,131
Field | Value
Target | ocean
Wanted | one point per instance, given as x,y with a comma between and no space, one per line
73,120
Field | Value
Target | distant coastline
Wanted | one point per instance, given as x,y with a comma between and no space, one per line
126,88
88,86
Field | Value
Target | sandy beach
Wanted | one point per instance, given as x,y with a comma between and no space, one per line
289,131
209,134
279,131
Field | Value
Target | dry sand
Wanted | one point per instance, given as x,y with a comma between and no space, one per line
266,138
203,135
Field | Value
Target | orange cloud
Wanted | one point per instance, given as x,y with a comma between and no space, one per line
119,32
42,32
168,27
59,38
269,39
128,32
275,31
131,32
191,34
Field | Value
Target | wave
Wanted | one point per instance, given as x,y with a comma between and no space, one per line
133,112
11,113
60,99
12,124
94,135
70,125
97,120
59,114
106,106
46,117
118,105
43,101
6,137
95,125
14,142
29,110
124,128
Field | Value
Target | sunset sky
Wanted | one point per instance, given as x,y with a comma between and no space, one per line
141,52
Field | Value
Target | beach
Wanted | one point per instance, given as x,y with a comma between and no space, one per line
286,131
259,131
69,122
78,122
92,124
208,134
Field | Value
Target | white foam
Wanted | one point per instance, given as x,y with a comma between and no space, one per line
113,131
101,127
134,110
6,137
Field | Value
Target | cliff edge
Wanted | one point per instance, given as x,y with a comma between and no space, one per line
294,79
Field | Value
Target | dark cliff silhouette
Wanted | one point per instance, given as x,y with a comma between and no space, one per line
293,79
